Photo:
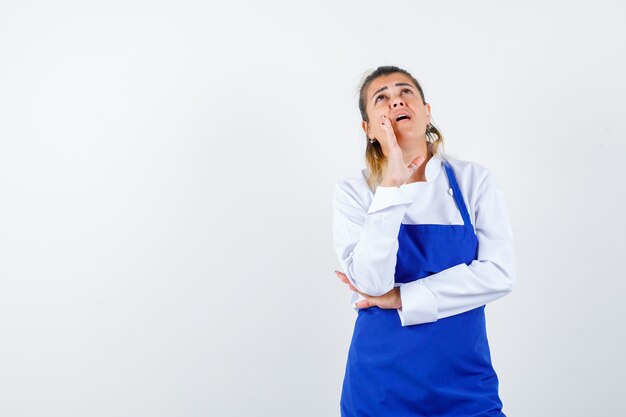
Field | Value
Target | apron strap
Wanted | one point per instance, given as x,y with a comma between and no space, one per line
458,197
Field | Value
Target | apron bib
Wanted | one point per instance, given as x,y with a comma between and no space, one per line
438,369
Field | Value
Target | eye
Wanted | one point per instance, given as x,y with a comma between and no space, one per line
407,90
376,100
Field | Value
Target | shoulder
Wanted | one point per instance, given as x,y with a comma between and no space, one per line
354,191
469,173
477,182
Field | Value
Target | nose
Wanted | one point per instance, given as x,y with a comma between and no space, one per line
397,102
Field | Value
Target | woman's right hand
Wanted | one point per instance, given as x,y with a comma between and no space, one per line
396,172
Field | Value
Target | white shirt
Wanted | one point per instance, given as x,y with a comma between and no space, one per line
366,227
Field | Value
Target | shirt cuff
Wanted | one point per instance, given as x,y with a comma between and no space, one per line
419,304
355,297
388,196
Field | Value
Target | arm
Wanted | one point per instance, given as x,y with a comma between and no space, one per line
366,239
464,287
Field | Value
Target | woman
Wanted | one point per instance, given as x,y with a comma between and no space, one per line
425,242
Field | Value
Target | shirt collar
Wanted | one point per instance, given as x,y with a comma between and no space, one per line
433,167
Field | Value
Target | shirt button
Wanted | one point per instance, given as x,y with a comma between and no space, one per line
450,191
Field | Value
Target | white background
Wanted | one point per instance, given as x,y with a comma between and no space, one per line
166,177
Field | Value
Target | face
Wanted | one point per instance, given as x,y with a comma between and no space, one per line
395,95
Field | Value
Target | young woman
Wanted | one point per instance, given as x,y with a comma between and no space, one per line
425,242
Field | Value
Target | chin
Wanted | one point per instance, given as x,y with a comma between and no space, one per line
408,134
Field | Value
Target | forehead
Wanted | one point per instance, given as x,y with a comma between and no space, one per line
387,81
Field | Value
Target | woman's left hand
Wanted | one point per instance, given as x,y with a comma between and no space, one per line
388,300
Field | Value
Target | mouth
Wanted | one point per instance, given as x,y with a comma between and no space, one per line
402,116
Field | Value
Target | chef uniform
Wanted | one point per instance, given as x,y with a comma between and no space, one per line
431,356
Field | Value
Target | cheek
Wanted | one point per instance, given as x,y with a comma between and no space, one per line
376,128
374,121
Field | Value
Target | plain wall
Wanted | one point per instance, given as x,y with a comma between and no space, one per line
166,178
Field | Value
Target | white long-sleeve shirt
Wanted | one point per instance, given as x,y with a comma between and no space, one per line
366,227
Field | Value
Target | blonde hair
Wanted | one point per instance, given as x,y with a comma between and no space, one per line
374,156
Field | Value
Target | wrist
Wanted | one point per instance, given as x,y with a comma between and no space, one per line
398,297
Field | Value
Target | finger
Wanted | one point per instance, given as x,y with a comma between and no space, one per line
388,126
353,288
388,129
418,161
364,304
344,278
412,167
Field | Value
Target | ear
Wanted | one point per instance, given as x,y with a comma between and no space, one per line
427,113
364,127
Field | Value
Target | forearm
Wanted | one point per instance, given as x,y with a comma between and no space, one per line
367,242
371,264
455,290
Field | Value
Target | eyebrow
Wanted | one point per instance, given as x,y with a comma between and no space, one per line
397,85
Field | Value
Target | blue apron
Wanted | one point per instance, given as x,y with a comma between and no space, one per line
438,369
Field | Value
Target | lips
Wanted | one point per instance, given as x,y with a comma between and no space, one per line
401,115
